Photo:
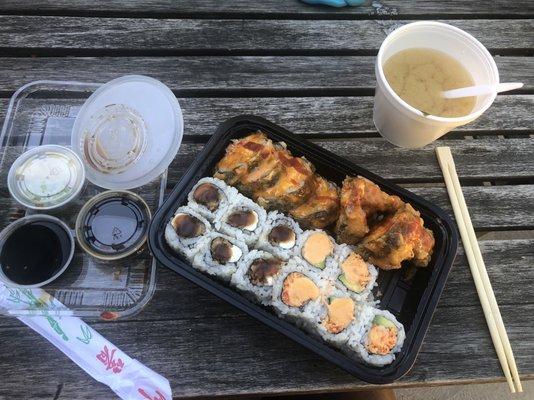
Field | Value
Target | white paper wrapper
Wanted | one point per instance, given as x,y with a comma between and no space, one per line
127,377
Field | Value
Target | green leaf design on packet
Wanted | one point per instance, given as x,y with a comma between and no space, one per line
41,306
86,333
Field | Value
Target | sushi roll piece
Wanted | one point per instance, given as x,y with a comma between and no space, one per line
243,220
296,291
378,338
316,249
256,274
185,230
336,316
353,274
279,235
211,197
220,255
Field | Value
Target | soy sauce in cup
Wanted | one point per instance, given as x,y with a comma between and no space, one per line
34,251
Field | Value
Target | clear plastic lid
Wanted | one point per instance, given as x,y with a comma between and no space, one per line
128,132
46,177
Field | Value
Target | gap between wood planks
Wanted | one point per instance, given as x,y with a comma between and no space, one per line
154,52
311,14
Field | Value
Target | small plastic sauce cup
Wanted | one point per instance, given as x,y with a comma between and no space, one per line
404,125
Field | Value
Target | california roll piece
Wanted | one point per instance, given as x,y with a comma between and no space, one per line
256,275
185,230
335,316
210,197
220,255
316,249
279,235
353,274
296,291
378,338
243,220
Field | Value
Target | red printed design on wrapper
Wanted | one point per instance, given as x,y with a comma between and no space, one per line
106,358
157,396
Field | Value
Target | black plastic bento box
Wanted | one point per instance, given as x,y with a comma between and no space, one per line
410,294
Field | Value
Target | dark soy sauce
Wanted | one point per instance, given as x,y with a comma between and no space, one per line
114,225
35,252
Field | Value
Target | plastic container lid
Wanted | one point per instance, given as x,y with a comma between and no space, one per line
46,177
128,132
113,225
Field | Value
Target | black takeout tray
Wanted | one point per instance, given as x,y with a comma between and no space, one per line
411,294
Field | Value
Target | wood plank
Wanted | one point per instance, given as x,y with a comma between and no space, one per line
389,8
249,358
323,75
231,36
331,116
476,160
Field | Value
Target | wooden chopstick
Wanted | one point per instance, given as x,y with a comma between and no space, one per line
478,270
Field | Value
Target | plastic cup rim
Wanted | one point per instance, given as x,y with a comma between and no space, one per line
8,230
383,81
36,150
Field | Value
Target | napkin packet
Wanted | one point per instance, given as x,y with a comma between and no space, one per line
127,377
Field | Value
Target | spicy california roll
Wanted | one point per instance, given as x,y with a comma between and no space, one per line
377,338
353,274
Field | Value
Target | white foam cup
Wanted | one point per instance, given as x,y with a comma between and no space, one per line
404,125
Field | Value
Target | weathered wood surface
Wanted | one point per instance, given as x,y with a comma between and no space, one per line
200,75
293,8
476,160
234,354
209,36
309,69
334,116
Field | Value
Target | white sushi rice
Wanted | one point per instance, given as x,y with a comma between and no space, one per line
330,262
341,253
226,196
186,246
357,342
352,340
304,316
241,280
204,261
275,219
320,313
249,235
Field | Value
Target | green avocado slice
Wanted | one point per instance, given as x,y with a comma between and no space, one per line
381,320
349,285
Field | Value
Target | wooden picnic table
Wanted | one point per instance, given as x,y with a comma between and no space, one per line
309,69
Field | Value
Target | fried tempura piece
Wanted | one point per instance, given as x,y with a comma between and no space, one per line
397,238
293,186
322,207
249,163
361,202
